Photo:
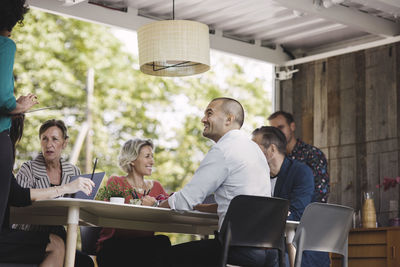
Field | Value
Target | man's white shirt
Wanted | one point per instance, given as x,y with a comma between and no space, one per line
233,166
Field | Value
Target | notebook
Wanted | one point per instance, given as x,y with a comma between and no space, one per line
97,179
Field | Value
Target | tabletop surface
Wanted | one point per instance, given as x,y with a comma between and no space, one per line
102,213
127,216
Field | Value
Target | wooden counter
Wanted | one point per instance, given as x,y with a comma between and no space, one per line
375,247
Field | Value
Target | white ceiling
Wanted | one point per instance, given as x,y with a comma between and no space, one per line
283,32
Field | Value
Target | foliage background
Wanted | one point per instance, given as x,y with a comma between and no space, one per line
52,59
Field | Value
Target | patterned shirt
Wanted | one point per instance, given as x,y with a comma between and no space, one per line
316,160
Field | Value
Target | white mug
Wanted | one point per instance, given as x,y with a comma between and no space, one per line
119,200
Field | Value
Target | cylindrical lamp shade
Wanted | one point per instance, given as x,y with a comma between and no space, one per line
174,48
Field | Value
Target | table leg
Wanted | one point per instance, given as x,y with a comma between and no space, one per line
290,231
292,254
72,233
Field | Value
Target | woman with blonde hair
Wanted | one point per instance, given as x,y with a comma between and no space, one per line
118,247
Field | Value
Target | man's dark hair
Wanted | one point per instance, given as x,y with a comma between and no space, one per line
232,106
272,135
11,13
50,123
287,115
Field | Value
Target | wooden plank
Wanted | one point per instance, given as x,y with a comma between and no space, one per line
347,151
379,146
336,262
367,262
388,168
320,115
333,101
393,248
335,195
300,82
381,108
348,181
398,109
368,251
287,99
307,104
360,131
369,237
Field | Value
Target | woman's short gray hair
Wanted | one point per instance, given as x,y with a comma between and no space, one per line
130,151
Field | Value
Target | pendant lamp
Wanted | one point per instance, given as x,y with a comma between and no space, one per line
174,47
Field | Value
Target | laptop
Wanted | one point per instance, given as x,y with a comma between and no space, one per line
97,179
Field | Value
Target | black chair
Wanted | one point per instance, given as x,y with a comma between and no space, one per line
254,221
18,265
89,236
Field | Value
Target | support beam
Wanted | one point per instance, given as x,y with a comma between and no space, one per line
347,16
342,51
305,34
255,51
131,21
394,3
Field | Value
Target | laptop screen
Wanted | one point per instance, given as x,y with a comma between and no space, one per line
97,179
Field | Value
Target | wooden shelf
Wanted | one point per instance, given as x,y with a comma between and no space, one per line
372,247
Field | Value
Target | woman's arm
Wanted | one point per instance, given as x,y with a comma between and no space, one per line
81,184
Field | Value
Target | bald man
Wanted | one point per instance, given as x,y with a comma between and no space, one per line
234,166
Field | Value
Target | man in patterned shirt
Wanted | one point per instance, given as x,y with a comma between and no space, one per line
308,154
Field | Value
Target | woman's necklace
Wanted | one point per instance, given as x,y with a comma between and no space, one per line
139,189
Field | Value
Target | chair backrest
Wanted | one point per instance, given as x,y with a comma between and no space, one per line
256,221
324,227
89,236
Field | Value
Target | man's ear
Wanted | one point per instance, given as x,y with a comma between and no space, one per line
230,118
273,148
292,126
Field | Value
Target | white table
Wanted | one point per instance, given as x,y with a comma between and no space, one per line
74,212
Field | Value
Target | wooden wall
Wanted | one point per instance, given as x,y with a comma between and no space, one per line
349,107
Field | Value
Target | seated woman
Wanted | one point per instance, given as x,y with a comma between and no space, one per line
49,169
43,248
34,247
117,247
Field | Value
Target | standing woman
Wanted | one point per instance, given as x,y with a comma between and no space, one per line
11,12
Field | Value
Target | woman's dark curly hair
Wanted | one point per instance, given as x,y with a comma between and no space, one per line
11,13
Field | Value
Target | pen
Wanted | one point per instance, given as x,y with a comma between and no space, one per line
94,168
137,196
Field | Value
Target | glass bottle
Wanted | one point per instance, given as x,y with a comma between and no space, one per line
368,211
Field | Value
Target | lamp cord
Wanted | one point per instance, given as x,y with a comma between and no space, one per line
173,9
